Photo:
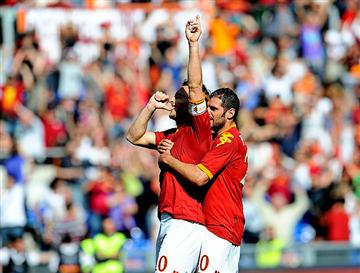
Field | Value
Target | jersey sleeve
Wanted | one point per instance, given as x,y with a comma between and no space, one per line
200,117
218,157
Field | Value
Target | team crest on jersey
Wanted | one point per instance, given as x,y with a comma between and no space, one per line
225,138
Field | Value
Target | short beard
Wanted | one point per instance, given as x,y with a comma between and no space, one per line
215,128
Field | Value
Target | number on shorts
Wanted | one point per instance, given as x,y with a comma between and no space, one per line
204,262
162,263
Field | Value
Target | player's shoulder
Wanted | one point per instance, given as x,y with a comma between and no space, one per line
226,138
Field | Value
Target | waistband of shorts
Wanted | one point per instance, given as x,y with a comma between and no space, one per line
165,216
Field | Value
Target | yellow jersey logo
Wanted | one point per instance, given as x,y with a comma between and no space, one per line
225,138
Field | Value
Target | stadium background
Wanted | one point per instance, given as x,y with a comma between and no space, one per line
73,75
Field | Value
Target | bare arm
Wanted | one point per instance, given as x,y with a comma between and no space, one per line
190,172
259,194
193,32
301,202
24,114
137,133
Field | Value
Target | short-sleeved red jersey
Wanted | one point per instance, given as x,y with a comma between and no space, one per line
226,165
178,197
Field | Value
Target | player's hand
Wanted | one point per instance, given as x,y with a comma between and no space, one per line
165,156
193,29
165,146
160,101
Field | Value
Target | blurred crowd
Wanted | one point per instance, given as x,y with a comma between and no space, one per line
295,66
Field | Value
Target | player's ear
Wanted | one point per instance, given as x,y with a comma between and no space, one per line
230,113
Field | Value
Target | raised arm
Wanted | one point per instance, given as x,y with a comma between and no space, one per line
137,133
193,32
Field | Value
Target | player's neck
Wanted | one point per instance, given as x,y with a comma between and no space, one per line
228,125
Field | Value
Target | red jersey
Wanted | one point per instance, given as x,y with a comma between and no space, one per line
54,130
337,223
226,165
191,142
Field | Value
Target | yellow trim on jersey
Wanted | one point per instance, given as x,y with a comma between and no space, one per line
205,170
197,101
225,138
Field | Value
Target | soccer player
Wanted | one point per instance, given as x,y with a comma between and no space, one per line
180,207
223,170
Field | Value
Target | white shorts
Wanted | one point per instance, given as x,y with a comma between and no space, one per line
178,245
218,255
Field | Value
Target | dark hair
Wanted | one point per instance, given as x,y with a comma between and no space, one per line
228,98
51,105
11,174
13,238
204,89
54,183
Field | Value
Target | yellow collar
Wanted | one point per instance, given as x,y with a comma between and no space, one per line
232,125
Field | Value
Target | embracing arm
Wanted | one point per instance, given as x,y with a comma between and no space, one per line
190,172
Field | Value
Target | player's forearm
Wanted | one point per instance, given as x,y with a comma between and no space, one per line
194,72
139,126
189,171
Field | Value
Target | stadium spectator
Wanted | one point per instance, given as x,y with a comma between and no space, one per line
269,250
12,210
280,214
29,133
71,224
98,192
15,257
223,34
54,128
254,223
103,253
122,209
336,222
14,163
